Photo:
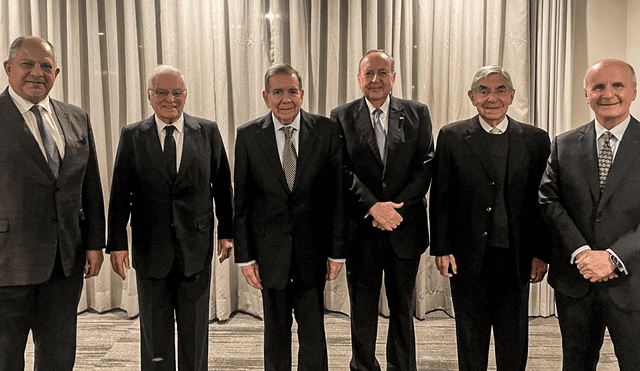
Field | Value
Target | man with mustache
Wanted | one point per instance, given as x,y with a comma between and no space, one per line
169,170
589,196
51,211
487,233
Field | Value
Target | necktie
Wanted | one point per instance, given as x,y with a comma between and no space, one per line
381,136
495,130
170,150
289,158
605,158
50,147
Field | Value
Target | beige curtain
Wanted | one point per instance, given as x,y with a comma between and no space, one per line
106,49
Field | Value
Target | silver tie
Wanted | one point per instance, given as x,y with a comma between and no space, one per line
289,158
381,136
605,158
50,147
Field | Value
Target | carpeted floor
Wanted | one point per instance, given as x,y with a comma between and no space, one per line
110,341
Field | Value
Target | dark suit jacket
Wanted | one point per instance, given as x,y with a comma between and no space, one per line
405,178
578,215
464,194
162,210
270,220
38,213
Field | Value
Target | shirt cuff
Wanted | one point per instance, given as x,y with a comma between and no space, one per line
624,269
246,264
578,251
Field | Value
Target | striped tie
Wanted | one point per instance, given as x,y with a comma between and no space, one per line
50,147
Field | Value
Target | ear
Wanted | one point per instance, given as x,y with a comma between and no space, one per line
471,96
7,67
265,96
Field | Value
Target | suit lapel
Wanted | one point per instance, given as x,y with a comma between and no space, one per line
151,143
478,145
307,139
395,134
362,118
12,119
518,155
626,156
267,140
589,159
190,145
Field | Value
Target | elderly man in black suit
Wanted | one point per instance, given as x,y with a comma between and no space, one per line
169,170
289,223
51,211
487,232
390,151
589,195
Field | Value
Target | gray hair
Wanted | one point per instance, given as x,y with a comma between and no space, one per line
393,64
17,43
164,68
633,72
490,70
280,68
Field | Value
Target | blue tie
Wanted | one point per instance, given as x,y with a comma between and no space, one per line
50,147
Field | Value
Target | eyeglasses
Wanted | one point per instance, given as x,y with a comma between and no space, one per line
500,91
163,93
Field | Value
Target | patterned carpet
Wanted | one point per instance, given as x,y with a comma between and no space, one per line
110,341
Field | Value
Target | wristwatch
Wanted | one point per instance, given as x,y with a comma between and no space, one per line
616,261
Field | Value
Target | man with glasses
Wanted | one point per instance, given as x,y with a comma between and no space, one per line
168,171
487,233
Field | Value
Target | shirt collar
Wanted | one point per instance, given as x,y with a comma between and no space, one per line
24,105
179,123
502,126
617,131
384,107
277,125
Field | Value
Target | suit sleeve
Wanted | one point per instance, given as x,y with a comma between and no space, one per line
439,200
542,236
551,201
220,184
243,251
120,200
92,199
338,247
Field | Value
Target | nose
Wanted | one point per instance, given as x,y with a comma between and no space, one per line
36,70
607,91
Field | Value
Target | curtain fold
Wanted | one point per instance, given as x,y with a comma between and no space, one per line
106,48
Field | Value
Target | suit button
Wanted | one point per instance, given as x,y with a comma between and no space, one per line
492,183
384,185
484,234
489,209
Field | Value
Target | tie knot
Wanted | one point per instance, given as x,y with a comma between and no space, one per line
377,112
169,130
607,135
288,131
35,109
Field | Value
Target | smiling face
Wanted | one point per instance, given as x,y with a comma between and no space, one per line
609,91
376,77
284,97
493,98
168,96
32,71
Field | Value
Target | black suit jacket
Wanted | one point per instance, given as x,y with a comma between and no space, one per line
270,220
39,213
578,215
405,178
464,194
170,218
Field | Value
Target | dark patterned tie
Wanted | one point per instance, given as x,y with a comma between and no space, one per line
289,158
50,147
170,150
381,136
605,158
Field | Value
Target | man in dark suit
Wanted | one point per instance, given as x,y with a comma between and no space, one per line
390,151
168,171
289,223
51,211
589,196
487,232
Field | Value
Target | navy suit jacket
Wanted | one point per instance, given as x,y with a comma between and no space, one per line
169,218
579,215
405,178
39,213
271,221
464,194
